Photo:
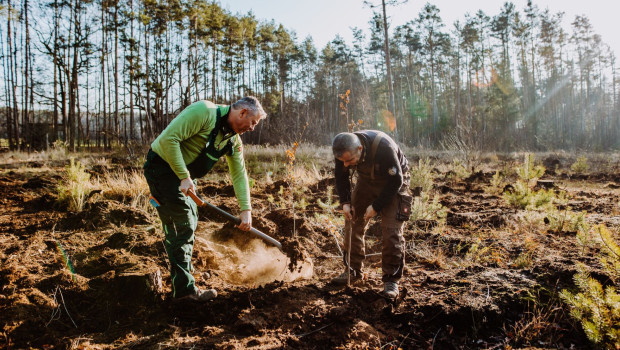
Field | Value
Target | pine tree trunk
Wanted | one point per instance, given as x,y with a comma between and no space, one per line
87,132
117,129
131,75
12,124
26,118
389,71
213,67
73,80
104,117
55,63
7,94
195,60
149,118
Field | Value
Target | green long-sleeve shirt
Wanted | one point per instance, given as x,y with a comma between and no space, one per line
187,134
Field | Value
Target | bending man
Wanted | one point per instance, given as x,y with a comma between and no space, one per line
382,188
186,150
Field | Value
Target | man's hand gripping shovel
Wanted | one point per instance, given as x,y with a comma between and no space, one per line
202,203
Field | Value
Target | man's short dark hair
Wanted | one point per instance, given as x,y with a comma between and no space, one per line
345,142
251,103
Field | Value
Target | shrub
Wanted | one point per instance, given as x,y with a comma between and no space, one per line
520,196
330,219
580,166
422,176
329,205
424,208
75,187
279,202
538,324
523,195
432,254
598,308
527,222
529,171
464,141
58,150
488,255
459,170
566,220
542,199
498,181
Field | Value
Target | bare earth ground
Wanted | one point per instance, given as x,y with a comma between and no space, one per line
77,280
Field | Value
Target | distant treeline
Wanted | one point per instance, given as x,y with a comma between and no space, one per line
97,73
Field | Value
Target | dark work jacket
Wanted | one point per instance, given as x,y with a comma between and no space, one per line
390,165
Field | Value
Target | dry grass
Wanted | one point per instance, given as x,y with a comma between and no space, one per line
432,256
486,254
539,325
269,163
528,252
56,153
432,252
526,223
127,187
76,186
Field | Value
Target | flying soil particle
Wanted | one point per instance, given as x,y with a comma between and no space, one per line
247,260
295,252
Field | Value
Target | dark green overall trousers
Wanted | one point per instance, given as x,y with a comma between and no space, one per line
178,213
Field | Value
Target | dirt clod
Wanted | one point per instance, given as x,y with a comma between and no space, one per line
100,278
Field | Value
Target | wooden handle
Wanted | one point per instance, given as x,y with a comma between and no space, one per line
232,218
196,199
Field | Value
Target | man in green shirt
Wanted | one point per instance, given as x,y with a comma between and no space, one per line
186,150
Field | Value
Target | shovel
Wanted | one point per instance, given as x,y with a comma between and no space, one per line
232,218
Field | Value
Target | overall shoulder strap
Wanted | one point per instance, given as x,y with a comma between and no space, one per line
216,128
211,148
373,151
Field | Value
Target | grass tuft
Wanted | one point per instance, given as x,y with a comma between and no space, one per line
75,187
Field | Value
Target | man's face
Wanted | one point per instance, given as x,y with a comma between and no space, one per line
351,158
243,120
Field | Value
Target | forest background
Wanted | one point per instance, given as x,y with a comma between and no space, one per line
95,74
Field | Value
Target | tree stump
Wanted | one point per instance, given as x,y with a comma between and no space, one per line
546,184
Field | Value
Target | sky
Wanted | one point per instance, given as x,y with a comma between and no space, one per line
324,19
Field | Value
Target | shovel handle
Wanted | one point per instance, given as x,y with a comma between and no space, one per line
230,217
202,203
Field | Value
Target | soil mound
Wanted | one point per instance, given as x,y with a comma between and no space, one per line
99,278
100,215
288,225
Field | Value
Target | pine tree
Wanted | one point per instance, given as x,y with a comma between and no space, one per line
595,306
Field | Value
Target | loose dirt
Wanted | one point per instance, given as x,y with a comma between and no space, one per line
244,260
99,278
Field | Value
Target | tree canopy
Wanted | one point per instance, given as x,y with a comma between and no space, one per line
103,72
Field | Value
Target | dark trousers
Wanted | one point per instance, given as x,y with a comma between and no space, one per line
179,218
393,251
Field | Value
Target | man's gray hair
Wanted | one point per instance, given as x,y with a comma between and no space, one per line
251,103
345,142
